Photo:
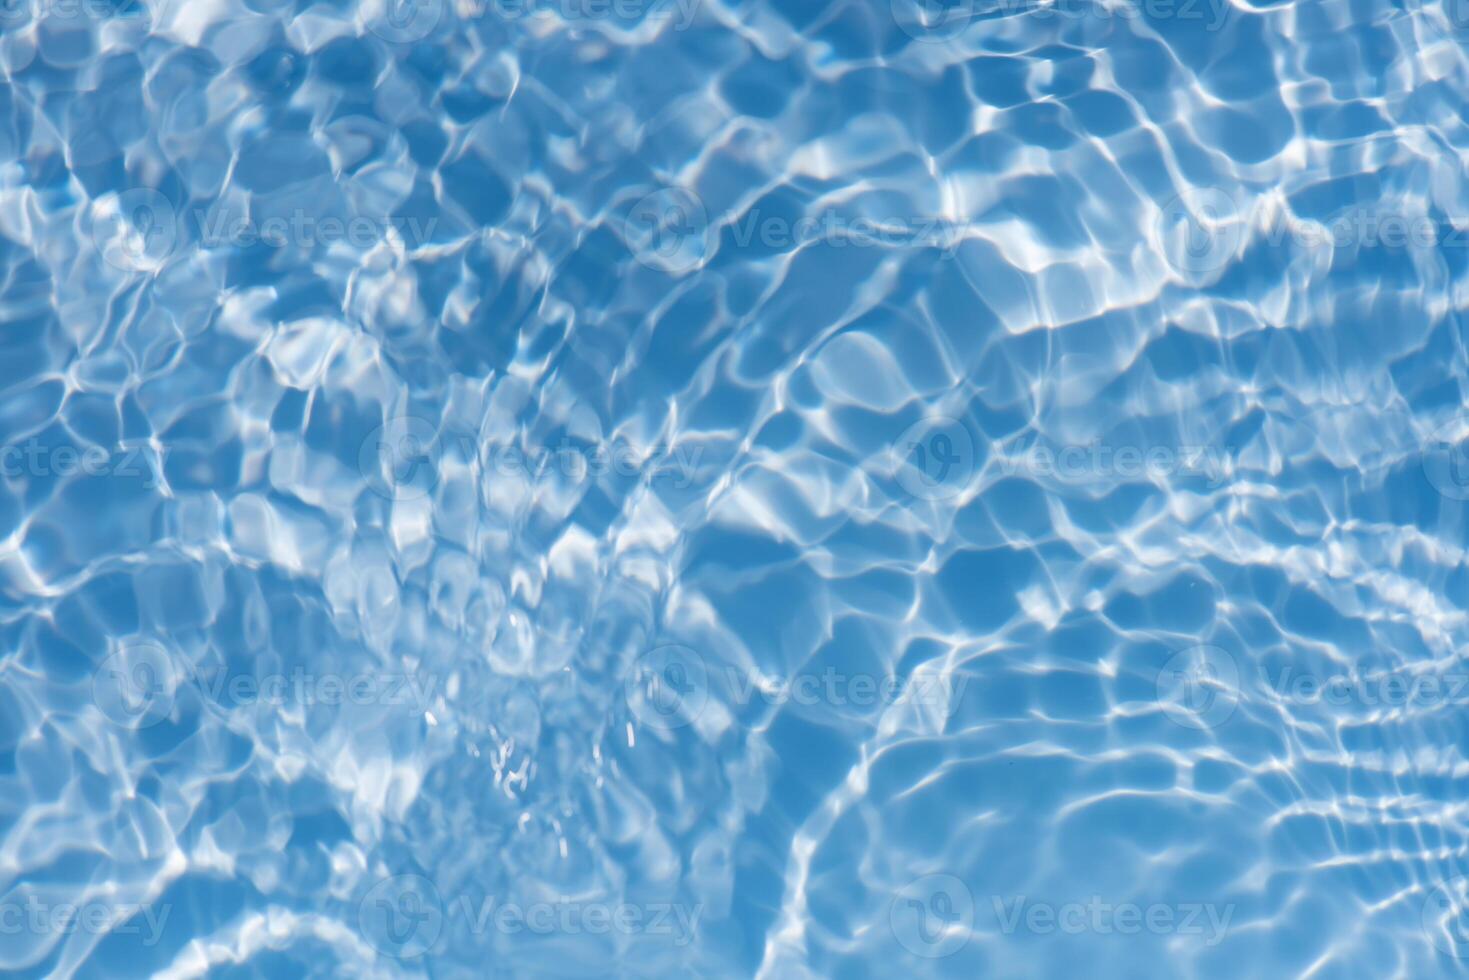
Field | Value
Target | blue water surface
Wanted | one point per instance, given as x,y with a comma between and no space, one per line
734,488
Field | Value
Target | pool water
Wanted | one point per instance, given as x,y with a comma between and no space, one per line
729,488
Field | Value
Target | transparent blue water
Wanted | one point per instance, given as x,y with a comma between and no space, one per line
698,488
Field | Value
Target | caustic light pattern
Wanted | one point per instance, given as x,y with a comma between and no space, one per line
733,488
